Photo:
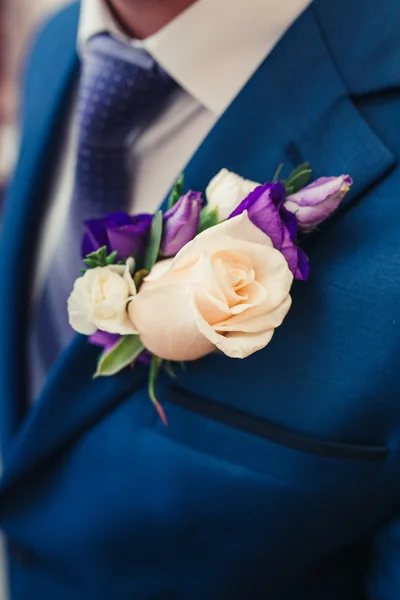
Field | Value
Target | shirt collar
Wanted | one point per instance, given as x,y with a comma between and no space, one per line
212,48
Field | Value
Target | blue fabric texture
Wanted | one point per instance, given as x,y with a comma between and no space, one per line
278,476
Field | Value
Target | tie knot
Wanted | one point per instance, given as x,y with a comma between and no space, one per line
120,88
107,48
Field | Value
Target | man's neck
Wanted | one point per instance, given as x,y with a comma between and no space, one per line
141,18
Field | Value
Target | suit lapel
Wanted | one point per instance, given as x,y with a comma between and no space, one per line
295,107
53,64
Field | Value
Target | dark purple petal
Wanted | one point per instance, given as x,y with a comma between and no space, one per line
291,255
117,219
95,237
278,193
130,239
263,213
181,223
303,266
117,231
265,210
262,191
297,261
290,221
104,340
145,358
96,232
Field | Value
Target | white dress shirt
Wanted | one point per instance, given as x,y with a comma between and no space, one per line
211,50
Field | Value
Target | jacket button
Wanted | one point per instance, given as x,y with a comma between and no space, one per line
21,554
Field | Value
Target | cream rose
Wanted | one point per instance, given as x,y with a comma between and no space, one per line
226,191
99,300
227,289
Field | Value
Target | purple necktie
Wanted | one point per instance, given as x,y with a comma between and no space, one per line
121,90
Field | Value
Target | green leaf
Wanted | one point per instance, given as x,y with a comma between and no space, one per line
90,262
110,259
208,218
177,191
155,366
153,246
102,254
278,173
298,179
139,276
99,258
120,356
299,169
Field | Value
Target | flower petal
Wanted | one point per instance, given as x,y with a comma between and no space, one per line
263,212
104,340
256,319
314,203
239,228
79,306
181,223
226,191
175,336
235,345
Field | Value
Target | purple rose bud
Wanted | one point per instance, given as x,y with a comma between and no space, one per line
265,210
314,203
118,232
181,223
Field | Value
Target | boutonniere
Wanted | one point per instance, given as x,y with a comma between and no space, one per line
215,275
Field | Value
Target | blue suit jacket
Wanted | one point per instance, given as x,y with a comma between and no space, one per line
279,476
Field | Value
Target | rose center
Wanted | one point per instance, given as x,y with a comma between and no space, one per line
235,276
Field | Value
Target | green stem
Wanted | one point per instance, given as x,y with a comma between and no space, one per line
277,173
155,366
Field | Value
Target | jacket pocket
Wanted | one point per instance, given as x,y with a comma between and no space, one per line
275,433
225,433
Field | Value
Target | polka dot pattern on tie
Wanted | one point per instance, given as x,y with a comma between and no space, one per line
120,89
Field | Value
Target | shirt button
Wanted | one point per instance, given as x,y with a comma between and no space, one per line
21,554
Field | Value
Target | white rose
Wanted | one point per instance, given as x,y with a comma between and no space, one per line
226,191
227,289
99,300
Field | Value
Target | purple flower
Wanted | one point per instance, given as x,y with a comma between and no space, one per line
314,203
145,358
181,223
118,231
265,209
104,340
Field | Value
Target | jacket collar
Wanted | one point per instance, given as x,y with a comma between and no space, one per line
239,35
